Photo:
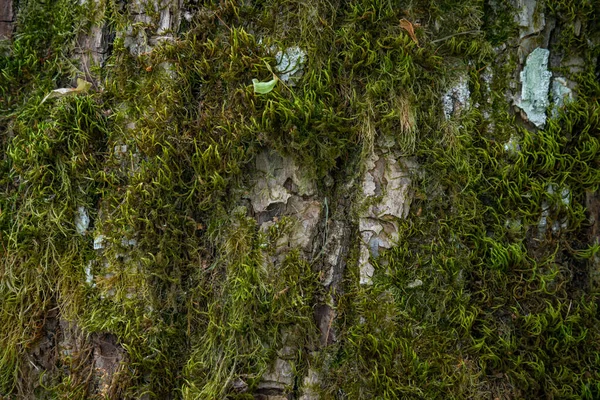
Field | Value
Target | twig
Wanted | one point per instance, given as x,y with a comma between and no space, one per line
226,26
455,34
275,76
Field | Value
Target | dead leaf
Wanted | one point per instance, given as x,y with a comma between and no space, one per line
82,86
408,27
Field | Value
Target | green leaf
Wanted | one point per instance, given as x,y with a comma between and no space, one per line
263,87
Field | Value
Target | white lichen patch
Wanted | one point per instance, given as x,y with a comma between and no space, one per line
535,81
456,98
125,242
290,64
558,225
386,186
169,69
82,220
512,147
99,242
89,276
562,198
514,224
561,94
543,221
565,196
121,150
188,16
414,284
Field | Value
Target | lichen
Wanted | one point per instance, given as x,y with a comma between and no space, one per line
290,63
535,81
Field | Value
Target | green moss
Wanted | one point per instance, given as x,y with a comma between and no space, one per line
504,307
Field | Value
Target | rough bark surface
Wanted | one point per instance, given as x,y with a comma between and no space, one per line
218,250
6,19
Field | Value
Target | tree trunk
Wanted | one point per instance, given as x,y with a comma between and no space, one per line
300,200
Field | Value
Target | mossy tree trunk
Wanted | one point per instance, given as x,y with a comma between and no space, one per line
302,199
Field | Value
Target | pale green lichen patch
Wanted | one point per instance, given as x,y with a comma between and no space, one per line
535,81
561,94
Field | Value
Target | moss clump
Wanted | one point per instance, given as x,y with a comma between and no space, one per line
501,298
477,299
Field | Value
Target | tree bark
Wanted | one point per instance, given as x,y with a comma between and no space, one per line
363,250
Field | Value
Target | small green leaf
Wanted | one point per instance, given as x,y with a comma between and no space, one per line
263,87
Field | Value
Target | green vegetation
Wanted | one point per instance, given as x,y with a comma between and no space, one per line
156,150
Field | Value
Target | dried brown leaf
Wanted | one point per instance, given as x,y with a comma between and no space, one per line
408,27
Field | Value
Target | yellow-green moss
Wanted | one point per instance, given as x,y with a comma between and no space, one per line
503,309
